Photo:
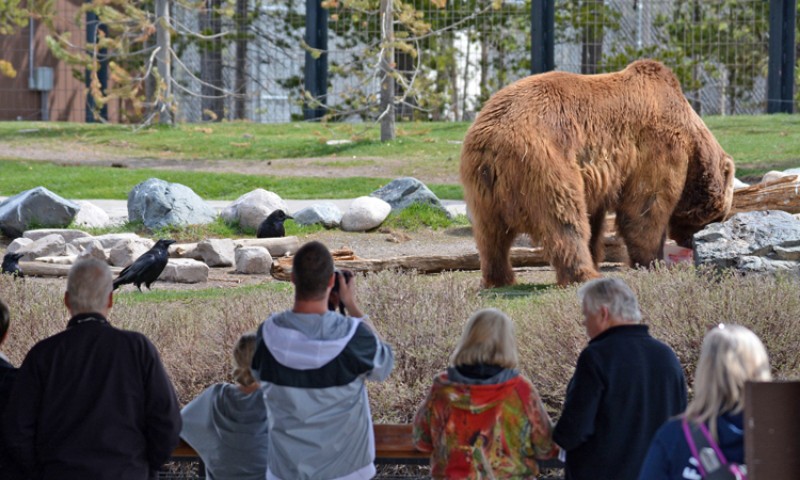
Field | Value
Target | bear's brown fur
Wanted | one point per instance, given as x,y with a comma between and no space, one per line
550,154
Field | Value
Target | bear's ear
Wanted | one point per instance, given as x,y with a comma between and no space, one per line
708,192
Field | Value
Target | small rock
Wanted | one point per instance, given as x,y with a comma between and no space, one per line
184,270
365,213
253,260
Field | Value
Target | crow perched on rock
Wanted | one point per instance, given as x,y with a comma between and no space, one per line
272,226
147,267
10,264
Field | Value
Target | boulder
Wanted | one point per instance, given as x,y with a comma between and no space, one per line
758,241
217,252
125,252
38,206
91,249
184,270
252,208
253,260
160,204
17,244
67,234
110,239
365,213
405,191
49,246
325,213
90,215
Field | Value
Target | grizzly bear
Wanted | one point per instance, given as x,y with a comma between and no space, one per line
551,154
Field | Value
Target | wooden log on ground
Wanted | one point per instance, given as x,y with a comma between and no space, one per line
780,194
520,257
277,247
42,269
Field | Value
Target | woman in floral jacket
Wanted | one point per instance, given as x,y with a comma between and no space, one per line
482,418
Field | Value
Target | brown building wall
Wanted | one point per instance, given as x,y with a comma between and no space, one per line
67,100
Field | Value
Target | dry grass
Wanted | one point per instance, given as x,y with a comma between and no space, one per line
422,316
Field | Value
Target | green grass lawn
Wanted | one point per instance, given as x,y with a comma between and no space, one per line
758,143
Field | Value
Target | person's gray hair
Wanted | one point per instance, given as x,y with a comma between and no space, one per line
89,284
615,295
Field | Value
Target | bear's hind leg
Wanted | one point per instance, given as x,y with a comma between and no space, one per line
494,241
568,247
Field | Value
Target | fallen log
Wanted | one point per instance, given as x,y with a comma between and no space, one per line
520,257
779,194
42,269
277,247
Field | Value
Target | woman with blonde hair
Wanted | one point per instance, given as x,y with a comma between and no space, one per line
731,355
227,423
482,418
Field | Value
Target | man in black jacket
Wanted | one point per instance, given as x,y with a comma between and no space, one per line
92,401
625,386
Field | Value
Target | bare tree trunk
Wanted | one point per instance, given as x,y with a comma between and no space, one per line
211,63
163,58
387,71
240,109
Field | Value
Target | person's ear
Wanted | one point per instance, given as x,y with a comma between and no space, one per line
291,278
110,300
66,300
332,280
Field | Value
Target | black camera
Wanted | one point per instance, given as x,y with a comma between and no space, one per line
347,274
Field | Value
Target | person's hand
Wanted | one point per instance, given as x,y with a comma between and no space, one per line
347,292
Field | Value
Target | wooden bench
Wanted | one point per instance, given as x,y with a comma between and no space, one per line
393,446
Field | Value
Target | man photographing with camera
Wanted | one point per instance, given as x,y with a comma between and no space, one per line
312,363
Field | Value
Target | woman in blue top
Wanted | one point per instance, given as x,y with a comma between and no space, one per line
731,355
227,423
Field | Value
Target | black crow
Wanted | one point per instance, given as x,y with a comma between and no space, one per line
147,267
10,264
272,226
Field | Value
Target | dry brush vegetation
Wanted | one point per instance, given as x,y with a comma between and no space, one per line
422,316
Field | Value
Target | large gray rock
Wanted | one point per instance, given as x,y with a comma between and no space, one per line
18,244
760,241
365,213
50,246
252,208
405,191
110,239
325,213
67,234
159,204
91,215
217,252
125,252
253,260
38,206
184,270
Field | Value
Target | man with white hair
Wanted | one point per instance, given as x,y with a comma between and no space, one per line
92,401
625,386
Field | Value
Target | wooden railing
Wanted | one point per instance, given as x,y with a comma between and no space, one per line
393,446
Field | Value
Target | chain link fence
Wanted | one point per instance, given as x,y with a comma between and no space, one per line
245,59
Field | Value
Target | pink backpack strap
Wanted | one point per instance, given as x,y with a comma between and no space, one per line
692,447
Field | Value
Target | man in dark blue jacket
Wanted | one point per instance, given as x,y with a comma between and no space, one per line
93,401
625,386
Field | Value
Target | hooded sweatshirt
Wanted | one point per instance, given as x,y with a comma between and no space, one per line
228,429
479,427
669,457
313,368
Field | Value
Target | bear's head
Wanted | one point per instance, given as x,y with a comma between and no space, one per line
708,192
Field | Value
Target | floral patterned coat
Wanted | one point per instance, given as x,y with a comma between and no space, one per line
484,431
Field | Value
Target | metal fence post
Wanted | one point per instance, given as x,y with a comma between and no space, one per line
542,35
780,76
316,69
